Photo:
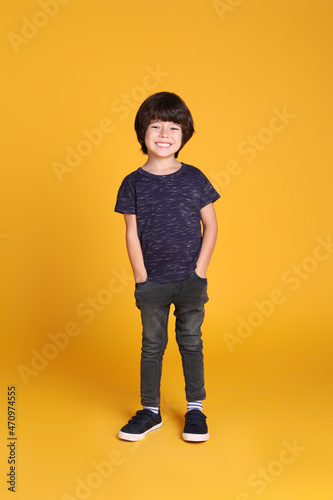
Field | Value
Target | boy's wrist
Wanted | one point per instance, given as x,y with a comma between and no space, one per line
140,278
201,272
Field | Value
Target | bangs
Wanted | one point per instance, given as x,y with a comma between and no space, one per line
165,114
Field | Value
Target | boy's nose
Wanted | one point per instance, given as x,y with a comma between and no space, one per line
163,132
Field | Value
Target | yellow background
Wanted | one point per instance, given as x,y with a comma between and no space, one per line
61,243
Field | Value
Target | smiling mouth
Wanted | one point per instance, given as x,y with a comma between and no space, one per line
163,144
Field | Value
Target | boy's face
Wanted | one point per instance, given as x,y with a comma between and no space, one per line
163,139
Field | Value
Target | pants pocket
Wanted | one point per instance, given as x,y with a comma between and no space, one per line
204,280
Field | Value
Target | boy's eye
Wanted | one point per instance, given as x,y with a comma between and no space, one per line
156,126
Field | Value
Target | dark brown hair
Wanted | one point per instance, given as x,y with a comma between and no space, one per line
166,107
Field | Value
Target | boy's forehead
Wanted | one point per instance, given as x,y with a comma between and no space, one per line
155,120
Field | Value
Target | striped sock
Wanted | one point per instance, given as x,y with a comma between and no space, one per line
194,405
154,409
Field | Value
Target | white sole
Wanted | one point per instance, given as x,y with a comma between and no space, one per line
137,437
195,438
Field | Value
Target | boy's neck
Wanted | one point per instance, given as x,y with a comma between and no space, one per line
161,166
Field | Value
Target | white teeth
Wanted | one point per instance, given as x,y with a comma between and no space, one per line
163,144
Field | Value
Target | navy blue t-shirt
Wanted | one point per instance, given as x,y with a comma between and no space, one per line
167,208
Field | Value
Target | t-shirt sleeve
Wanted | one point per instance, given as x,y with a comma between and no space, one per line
126,203
208,192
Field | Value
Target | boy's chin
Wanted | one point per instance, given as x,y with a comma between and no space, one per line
163,155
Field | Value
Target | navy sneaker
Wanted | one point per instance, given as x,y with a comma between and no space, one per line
195,429
143,422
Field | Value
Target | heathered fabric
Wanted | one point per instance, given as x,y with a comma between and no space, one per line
168,218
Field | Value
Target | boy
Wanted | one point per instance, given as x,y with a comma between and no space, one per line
164,203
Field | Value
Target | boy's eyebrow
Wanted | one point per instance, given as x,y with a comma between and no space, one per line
175,123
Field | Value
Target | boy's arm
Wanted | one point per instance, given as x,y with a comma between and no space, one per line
209,237
134,249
